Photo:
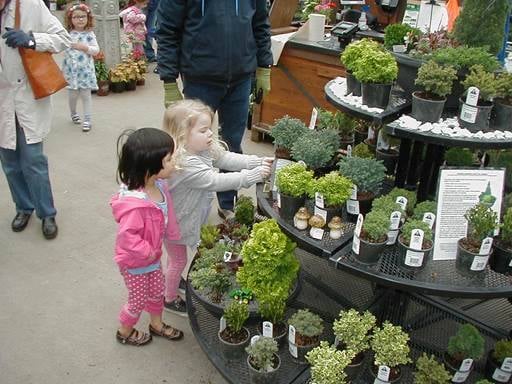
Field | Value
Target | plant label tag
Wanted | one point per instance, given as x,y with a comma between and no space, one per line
394,220
416,239
254,339
472,97
392,236
353,207
268,329
227,256
319,200
384,372
371,133
402,201
355,244
377,381
321,212
222,323
316,233
266,187
349,150
507,364
314,116
479,263
510,264
500,376
336,341
359,225
278,200
293,350
460,377
485,248
291,334
468,113
429,218
465,365
353,196
414,259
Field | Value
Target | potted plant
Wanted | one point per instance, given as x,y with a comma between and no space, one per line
436,81
395,36
350,57
263,361
397,193
335,190
293,182
502,256
423,208
117,79
209,236
215,281
467,343
368,176
498,365
373,237
285,132
244,210
502,158
328,364
307,327
472,254
394,212
391,349
345,126
102,77
459,157
414,254
234,337
503,102
476,117
361,132
430,371
363,151
317,149
272,307
352,330
376,70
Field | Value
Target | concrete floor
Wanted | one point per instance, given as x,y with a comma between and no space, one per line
59,299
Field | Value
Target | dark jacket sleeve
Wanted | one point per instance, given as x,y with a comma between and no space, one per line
170,16
261,29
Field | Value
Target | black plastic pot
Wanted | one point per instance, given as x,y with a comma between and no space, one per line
232,351
290,205
354,367
454,370
483,116
464,260
423,255
117,87
407,72
369,253
389,159
344,142
376,95
257,377
334,211
502,116
353,85
302,350
492,368
427,110
452,100
501,259
131,85
359,136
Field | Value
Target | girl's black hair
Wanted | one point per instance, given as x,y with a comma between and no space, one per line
141,155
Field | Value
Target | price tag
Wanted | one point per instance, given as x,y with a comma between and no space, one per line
414,259
394,220
359,225
293,350
485,248
353,207
254,339
466,365
353,196
268,329
222,324
321,212
416,239
479,263
355,244
278,200
316,233
468,113
402,201
500,376
319,200
314,116
384,372
392,235
507,364
291,334
349,150
472,97
227,256
429,218
460,377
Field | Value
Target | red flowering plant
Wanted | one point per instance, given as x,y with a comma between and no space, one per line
324,7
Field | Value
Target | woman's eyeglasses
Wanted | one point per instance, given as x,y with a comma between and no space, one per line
82,17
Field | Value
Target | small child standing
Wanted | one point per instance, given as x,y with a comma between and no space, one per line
78,67
144,211
134,26
193,184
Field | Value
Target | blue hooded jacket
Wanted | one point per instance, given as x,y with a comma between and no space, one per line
212,41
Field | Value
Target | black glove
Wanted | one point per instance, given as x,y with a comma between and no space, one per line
16,38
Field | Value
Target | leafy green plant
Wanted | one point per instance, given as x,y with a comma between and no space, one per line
484,381
413,224
354,51
466,343
459,157
244,210
367,174
377,67
236,314
353,329
316,148
483,80
394,34
504,87
101,70
287,130
328,364
502,350
430,371
387,205
431,42
344,125
335,189
272,302
324,119
211,257
506,229
261,353
240,233
409,195
390,345
294,180
482,221
215,282
463,58
424,207
209,236
242,295
307,323
363,151
502,158
436,80
375,226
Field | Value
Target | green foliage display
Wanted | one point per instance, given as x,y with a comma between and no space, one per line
409,195
466,343
394,34
375,226
210,257
430,371
463,57
244,210
316,148
482,24
363,151
506,228
261,353
376,66
294,180
412,224
431,42
504,87
484,381
483,80
424,207
353,329
212,280
367,174
502,350
436,80
390,345
354,51
336,189
328,364
482,221
459,157
101,70
324,119
272,302
209,236
236,314
307,323
387,205
344,125
287,130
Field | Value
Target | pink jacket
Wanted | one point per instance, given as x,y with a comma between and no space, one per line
134,22
141,227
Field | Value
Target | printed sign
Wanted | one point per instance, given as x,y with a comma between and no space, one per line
268,329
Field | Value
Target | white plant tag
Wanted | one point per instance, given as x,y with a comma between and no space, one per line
359,225
429,218
254,339
316,233
394,220
349,150
278,200
479,263
384,372
485,248
291,334
222,323
510,264
416,239
293,350
268,329
314,116
353,196
336,341
472,96
392,235
402,201
377,381
460,377
319,200
468,113
353,207
321,212
414,259
501,376
227,256
466,365
507,364
355,244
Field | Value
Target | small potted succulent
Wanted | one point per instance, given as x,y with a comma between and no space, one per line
363,151
305,328
473,250
317,149
293,182
328,364
244,210
426,211
391,350
335,190
413,252
466,346
373,237
436,81
350,57
234,337
285,132
263,361
502,256
459,157
301,218
503,102
430,371
335,228
499,362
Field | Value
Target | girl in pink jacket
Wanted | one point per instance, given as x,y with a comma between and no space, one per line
144,210
134,26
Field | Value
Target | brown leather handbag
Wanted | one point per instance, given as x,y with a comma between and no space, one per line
43,73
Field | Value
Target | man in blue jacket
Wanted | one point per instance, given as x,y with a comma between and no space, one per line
216,46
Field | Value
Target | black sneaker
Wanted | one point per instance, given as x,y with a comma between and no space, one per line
176,306
183,286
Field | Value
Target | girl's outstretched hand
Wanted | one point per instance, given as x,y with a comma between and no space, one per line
267,161
265,171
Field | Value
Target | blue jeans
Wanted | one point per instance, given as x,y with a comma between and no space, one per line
150,26
26,170
232,104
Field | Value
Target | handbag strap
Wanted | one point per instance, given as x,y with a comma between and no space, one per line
17,15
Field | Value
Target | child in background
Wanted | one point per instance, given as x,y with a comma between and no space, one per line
78,66
193,184
134,26
144,211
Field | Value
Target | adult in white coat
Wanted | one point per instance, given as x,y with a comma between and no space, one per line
24,121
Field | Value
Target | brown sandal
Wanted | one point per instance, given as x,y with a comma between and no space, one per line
175,334
135,338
